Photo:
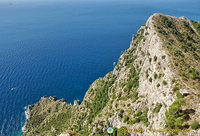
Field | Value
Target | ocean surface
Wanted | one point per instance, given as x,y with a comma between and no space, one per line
58,48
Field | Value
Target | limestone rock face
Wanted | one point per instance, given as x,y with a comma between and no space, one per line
153,90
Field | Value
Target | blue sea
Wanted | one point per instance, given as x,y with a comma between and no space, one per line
59,47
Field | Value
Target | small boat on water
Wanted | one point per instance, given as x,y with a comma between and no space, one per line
12,89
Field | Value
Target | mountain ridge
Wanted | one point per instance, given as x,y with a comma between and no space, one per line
151,87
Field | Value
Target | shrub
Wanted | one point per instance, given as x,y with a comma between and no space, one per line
119,95
158,85
150,79
155,58
157,108
163,57
143,54
164,82
178,53
178,122
141,116
179,95
126,118
173,80
101,97
167,22
147,74
121,111
138,113
195,125
136,120
144,118
176,88
155,75
173,114
160,75
185,48
171,41
162,31
150,59
123,131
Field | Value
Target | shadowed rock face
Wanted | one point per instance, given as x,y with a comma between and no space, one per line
155,85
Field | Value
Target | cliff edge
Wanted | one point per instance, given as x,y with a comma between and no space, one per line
153,90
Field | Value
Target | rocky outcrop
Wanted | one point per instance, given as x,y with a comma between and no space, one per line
153,90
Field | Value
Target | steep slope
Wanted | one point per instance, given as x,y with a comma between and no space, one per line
153,90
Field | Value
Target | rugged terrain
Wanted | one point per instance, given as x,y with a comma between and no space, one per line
154,89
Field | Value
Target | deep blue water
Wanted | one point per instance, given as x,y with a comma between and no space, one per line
59,48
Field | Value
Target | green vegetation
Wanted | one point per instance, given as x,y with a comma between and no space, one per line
126,118
140,116
147,74
138,113
132,85
163,57
123,131
51,117
157,108
155,58
179,95
160,75
142,52
155,76
128,57
150,79
140,34
150,59
164,82
176,88
196,25
195,125
59,120
161,30
121,111
101,97
182,44
173,115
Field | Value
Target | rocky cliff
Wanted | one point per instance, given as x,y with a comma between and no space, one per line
153,90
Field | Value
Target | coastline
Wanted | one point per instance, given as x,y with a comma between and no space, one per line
27,115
